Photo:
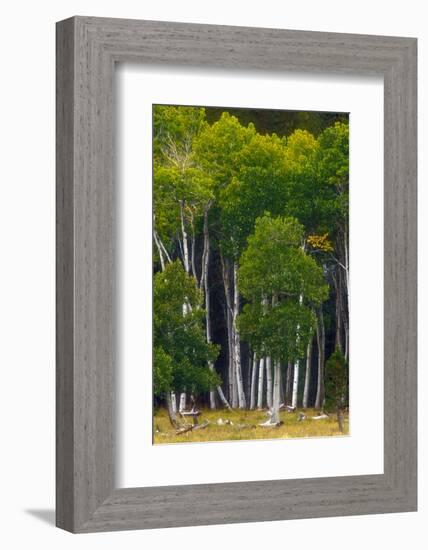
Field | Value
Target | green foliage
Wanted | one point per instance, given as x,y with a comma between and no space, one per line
219,146
275,263
259,185
181,351
333,167
301,150
174,128
273,331
180,185
282,285
162,371
334,154
336,381
277,205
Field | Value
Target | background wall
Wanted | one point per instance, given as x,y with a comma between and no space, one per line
27,271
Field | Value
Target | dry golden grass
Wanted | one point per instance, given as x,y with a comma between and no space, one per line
245,426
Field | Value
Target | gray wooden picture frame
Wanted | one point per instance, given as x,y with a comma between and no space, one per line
87,50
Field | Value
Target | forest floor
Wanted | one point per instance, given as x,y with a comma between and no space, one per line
236,425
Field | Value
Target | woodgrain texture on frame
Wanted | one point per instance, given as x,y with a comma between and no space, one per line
87,50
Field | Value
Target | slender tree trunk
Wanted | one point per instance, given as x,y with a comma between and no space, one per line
307,374
183,396
269,388
174,402
289,383
158,246
247,387
319,400
260,388
295,384
296,367
337,278
206,248
185,239
193,266
281,389
237,340
183,401
276,392
171,413
346,329
253,382
165,251
238,371
204,283
232,372
162,251
346,250
223,398
180,247
233,395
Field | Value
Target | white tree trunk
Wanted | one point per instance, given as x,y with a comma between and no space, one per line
319,400
238,371
206,249
204,283
296,366
295,384
213,404
223,397
233,396
185,239
171,412
158,246
269,388
174,402
253,383
276,392
247,386
232,367
183,397
307,375
261,378
237,340
183,400
193,246
289,383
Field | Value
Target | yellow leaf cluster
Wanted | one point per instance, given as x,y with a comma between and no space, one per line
320,242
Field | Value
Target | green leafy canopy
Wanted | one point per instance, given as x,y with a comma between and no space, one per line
181,351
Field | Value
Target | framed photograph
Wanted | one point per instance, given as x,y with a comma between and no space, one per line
236,274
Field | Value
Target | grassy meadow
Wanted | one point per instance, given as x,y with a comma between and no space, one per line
244,425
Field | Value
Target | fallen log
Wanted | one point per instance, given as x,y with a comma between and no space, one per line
190,427
320,416
184,429
201,426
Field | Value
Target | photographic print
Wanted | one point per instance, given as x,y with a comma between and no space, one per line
250,274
